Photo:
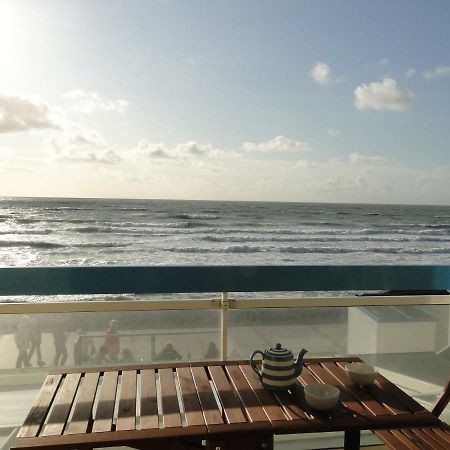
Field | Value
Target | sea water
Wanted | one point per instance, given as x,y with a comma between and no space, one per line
59,232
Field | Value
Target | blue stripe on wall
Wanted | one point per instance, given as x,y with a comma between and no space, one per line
183,279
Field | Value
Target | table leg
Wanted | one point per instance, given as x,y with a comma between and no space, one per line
351,439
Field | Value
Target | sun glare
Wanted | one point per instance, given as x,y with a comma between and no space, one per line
11,32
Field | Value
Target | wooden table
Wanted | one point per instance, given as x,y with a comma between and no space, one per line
218,404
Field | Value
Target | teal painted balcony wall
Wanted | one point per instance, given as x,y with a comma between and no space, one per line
186,279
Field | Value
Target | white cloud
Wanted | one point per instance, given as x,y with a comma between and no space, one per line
332,132
78,144
303,164
153,150
410,72
20,112
383,95
358,158
90,102
192,148
437,72
277,144
383,62
320,73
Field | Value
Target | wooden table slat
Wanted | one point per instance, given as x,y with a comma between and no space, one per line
103,420
424,437
294,405
431,434
40,408
229,399
211,411
62,405
371,404
394,441
253,408
272,409
170,406
408,439
126,414
346,397
149,400
400,395
82,413
443,434
384,397
307,376
191,403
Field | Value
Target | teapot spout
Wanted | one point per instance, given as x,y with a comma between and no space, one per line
299,363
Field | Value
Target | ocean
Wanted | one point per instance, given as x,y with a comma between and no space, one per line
55,232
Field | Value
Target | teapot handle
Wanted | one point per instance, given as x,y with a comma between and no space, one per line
253,363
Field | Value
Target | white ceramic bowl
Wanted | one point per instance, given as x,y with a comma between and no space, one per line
321,396
361,373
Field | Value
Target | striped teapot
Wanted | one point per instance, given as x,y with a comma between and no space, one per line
279,370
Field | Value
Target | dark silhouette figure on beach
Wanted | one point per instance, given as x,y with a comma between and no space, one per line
112,341
212,351
83,347
59,338
101,357
22,337
36,337
127,356
168,353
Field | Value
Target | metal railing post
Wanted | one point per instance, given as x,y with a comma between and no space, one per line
224,326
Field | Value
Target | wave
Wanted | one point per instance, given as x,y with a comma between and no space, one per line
34,244
311,250
231,249
189,216
189,224
67,208
378,250
268,239
27,232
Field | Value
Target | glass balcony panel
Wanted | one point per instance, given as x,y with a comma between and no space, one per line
409,344
77,339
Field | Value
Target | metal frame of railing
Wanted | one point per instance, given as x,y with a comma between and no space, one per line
222,279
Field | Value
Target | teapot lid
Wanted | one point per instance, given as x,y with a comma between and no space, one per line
279,352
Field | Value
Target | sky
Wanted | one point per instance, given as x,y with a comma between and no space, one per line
306,101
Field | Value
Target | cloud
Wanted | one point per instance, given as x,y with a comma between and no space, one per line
192,148
303,164
358,158
277,144
437,72
383,95
153,150
90,102
78,144
410,72
332,132
320,73
191,151
19,112
383,62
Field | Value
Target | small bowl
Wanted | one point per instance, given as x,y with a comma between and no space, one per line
321,396
361,373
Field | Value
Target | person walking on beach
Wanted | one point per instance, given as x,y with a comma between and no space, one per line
22,338
112,341
59,338
168,353
36,336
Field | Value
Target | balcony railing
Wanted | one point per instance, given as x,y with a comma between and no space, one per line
228,281
224,296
